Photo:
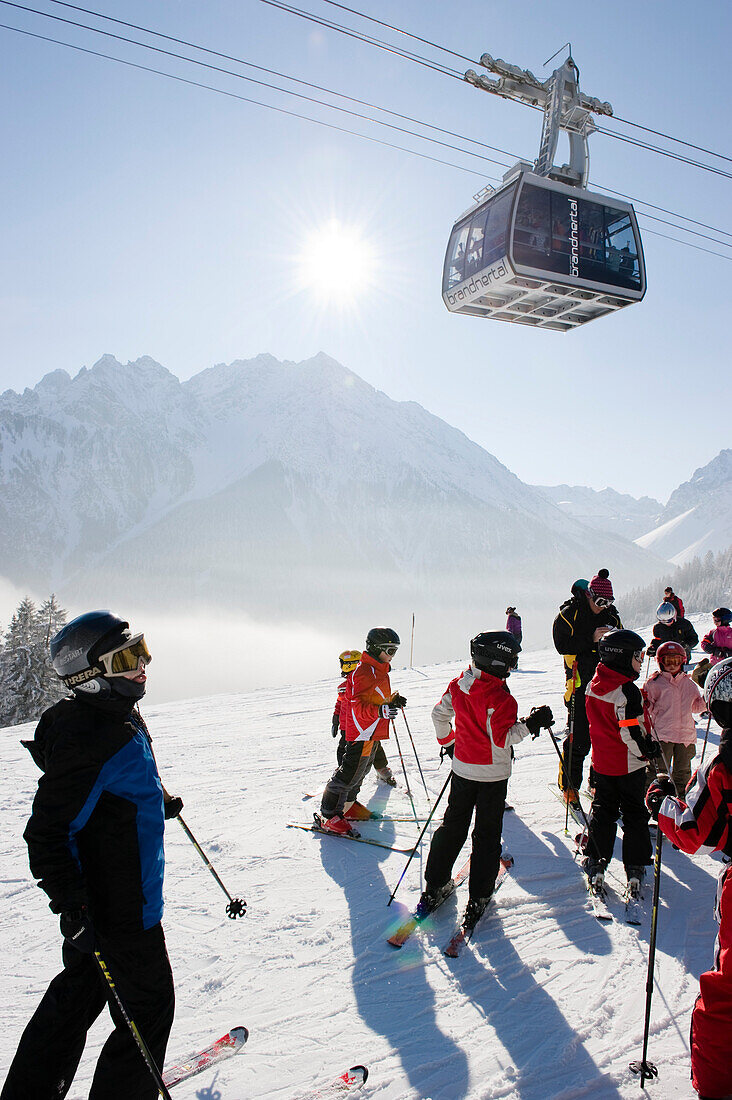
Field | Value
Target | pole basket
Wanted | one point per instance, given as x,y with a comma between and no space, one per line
237,907
647,1070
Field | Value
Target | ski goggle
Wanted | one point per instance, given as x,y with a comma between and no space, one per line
126,657
600,601
389,650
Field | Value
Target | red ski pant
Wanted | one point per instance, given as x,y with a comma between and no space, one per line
711,1020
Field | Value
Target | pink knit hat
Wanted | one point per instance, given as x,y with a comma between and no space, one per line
601,585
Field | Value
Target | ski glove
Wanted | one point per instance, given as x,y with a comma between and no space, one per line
335,726
651,748
398,700
659,789
173,807
388,710
78,930
447,750
540,718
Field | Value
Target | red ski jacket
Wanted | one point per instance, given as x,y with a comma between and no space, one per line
615,714
484,714
339,711
702,821
367,688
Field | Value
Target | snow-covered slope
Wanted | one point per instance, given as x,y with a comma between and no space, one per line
607,510
546,1004
698,516
287,490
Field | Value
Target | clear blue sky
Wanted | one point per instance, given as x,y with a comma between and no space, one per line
147,217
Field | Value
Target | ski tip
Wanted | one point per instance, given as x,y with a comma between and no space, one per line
241,1033
362,1072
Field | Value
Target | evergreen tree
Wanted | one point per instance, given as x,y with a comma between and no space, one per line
28,683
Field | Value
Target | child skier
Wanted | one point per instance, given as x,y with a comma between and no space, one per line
670,628
349,660
672,699
621,747
718,642
369,708
486,727
703,822
95,841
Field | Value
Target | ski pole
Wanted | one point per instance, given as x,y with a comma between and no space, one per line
706,735
645,1068
404,769
237,907
568,770
141,1044
584,815
419,838
406,723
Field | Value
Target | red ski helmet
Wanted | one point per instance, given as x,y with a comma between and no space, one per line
670,649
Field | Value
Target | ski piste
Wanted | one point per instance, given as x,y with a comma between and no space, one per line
224,1047
313,828
352,1079
465,932
405,929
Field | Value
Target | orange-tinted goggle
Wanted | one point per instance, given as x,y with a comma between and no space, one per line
126,657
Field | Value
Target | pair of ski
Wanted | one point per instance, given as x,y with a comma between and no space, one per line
465,929
317,827
231,1044
601,909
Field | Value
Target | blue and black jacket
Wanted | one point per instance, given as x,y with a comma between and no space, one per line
95,836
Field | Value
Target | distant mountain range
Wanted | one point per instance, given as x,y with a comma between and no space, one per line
605,509
280,489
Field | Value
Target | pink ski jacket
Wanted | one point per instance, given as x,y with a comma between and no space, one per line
672,702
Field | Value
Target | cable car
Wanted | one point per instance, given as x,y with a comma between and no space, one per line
543,253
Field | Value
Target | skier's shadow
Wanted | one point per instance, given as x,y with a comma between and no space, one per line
394,1001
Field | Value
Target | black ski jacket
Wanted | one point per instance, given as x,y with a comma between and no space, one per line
573,632
681,631
95,836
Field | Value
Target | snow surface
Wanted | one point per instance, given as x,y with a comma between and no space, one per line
545,1004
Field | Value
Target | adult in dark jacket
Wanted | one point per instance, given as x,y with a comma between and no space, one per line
671,628
670,597
578,627
95,842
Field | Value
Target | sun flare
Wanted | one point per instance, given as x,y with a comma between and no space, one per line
337,264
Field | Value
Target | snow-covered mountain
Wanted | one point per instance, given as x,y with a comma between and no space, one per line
607,510
286,490
698,516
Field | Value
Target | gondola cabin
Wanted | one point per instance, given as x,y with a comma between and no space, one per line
543,253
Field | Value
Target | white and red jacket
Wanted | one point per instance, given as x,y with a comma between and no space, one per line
615,714
339,711
702,823
672,703
367,689
484,714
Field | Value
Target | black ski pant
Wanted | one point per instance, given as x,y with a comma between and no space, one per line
617,795
345,783
52,1044
579,740
380,760
488,800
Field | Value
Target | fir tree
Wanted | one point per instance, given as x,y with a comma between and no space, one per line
28,683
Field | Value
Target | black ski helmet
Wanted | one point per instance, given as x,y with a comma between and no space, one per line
718,692
76,649
378,638
617,649
495,652
723,614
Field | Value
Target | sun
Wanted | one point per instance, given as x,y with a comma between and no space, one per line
337,264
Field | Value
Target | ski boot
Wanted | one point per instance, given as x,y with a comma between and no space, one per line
431,898
474,911
569,794
336,825
386,776
357,812
595,871
635,881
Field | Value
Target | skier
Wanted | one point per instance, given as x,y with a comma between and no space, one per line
703,821
718,642
671,628
621,747
486,727
95,842
672,699
513,624
369,707
349,660
669,596
581,622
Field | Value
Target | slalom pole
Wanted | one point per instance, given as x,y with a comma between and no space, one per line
141,1044
404,769
419,838
568,770
647,1069
411,646
706,735
237,907
406,723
